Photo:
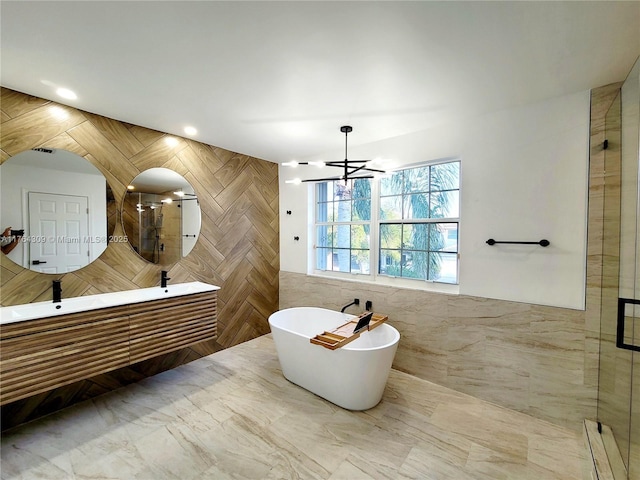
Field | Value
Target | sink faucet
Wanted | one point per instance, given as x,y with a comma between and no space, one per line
163,279
57,291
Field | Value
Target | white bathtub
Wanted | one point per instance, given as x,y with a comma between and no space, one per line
352,377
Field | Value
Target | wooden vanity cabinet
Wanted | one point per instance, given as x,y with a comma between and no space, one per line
43,354
163,326
39,355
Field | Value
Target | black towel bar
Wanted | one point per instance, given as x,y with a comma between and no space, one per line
542,243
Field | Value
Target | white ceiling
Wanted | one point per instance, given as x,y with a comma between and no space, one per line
276,80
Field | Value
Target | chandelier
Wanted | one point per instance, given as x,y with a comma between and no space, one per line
350,168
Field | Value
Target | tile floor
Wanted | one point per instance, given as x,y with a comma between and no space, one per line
232,415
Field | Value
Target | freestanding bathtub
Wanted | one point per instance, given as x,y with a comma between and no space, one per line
353,376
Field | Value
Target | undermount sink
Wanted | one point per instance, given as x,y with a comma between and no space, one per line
32,311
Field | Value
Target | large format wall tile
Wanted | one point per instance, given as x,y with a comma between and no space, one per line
526,357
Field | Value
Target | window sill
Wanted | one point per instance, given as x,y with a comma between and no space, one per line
394,282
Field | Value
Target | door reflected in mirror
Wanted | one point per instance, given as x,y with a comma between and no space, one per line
161,216
60,204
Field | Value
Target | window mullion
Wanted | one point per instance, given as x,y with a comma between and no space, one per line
374,230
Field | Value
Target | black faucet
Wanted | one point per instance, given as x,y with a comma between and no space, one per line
163,279
356,301
57,291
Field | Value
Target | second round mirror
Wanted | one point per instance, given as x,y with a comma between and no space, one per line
161,216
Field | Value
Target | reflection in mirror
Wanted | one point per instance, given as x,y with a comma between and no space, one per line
60,200
161,216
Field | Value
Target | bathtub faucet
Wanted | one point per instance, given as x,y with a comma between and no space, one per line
356,301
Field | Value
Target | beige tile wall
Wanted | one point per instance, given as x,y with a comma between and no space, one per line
526,357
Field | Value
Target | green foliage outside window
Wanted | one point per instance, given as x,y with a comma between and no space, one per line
413,242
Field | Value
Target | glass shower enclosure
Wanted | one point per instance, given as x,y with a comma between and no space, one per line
619,370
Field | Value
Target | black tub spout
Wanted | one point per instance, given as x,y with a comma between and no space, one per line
356,301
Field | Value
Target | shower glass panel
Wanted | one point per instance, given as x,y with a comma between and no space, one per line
630,252
614,384
619,372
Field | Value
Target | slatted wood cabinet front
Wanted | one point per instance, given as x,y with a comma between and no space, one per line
160,327
39,355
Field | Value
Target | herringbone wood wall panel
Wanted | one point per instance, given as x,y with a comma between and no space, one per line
237,249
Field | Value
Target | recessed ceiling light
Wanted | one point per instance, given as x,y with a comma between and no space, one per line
190,131
66,93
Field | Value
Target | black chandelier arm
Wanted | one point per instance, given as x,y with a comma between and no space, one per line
330,179
356,169
340,163
350,167
374,170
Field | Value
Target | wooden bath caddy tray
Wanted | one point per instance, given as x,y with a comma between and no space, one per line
348,332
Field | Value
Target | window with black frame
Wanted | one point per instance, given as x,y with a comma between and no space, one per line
419,223
343,226
406,223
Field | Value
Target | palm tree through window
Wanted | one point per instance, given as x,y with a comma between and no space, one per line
413,225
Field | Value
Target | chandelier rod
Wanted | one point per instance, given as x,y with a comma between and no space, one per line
346,129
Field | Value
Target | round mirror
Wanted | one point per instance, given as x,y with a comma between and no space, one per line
55,206
161,216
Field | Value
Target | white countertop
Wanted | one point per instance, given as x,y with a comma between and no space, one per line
32,311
